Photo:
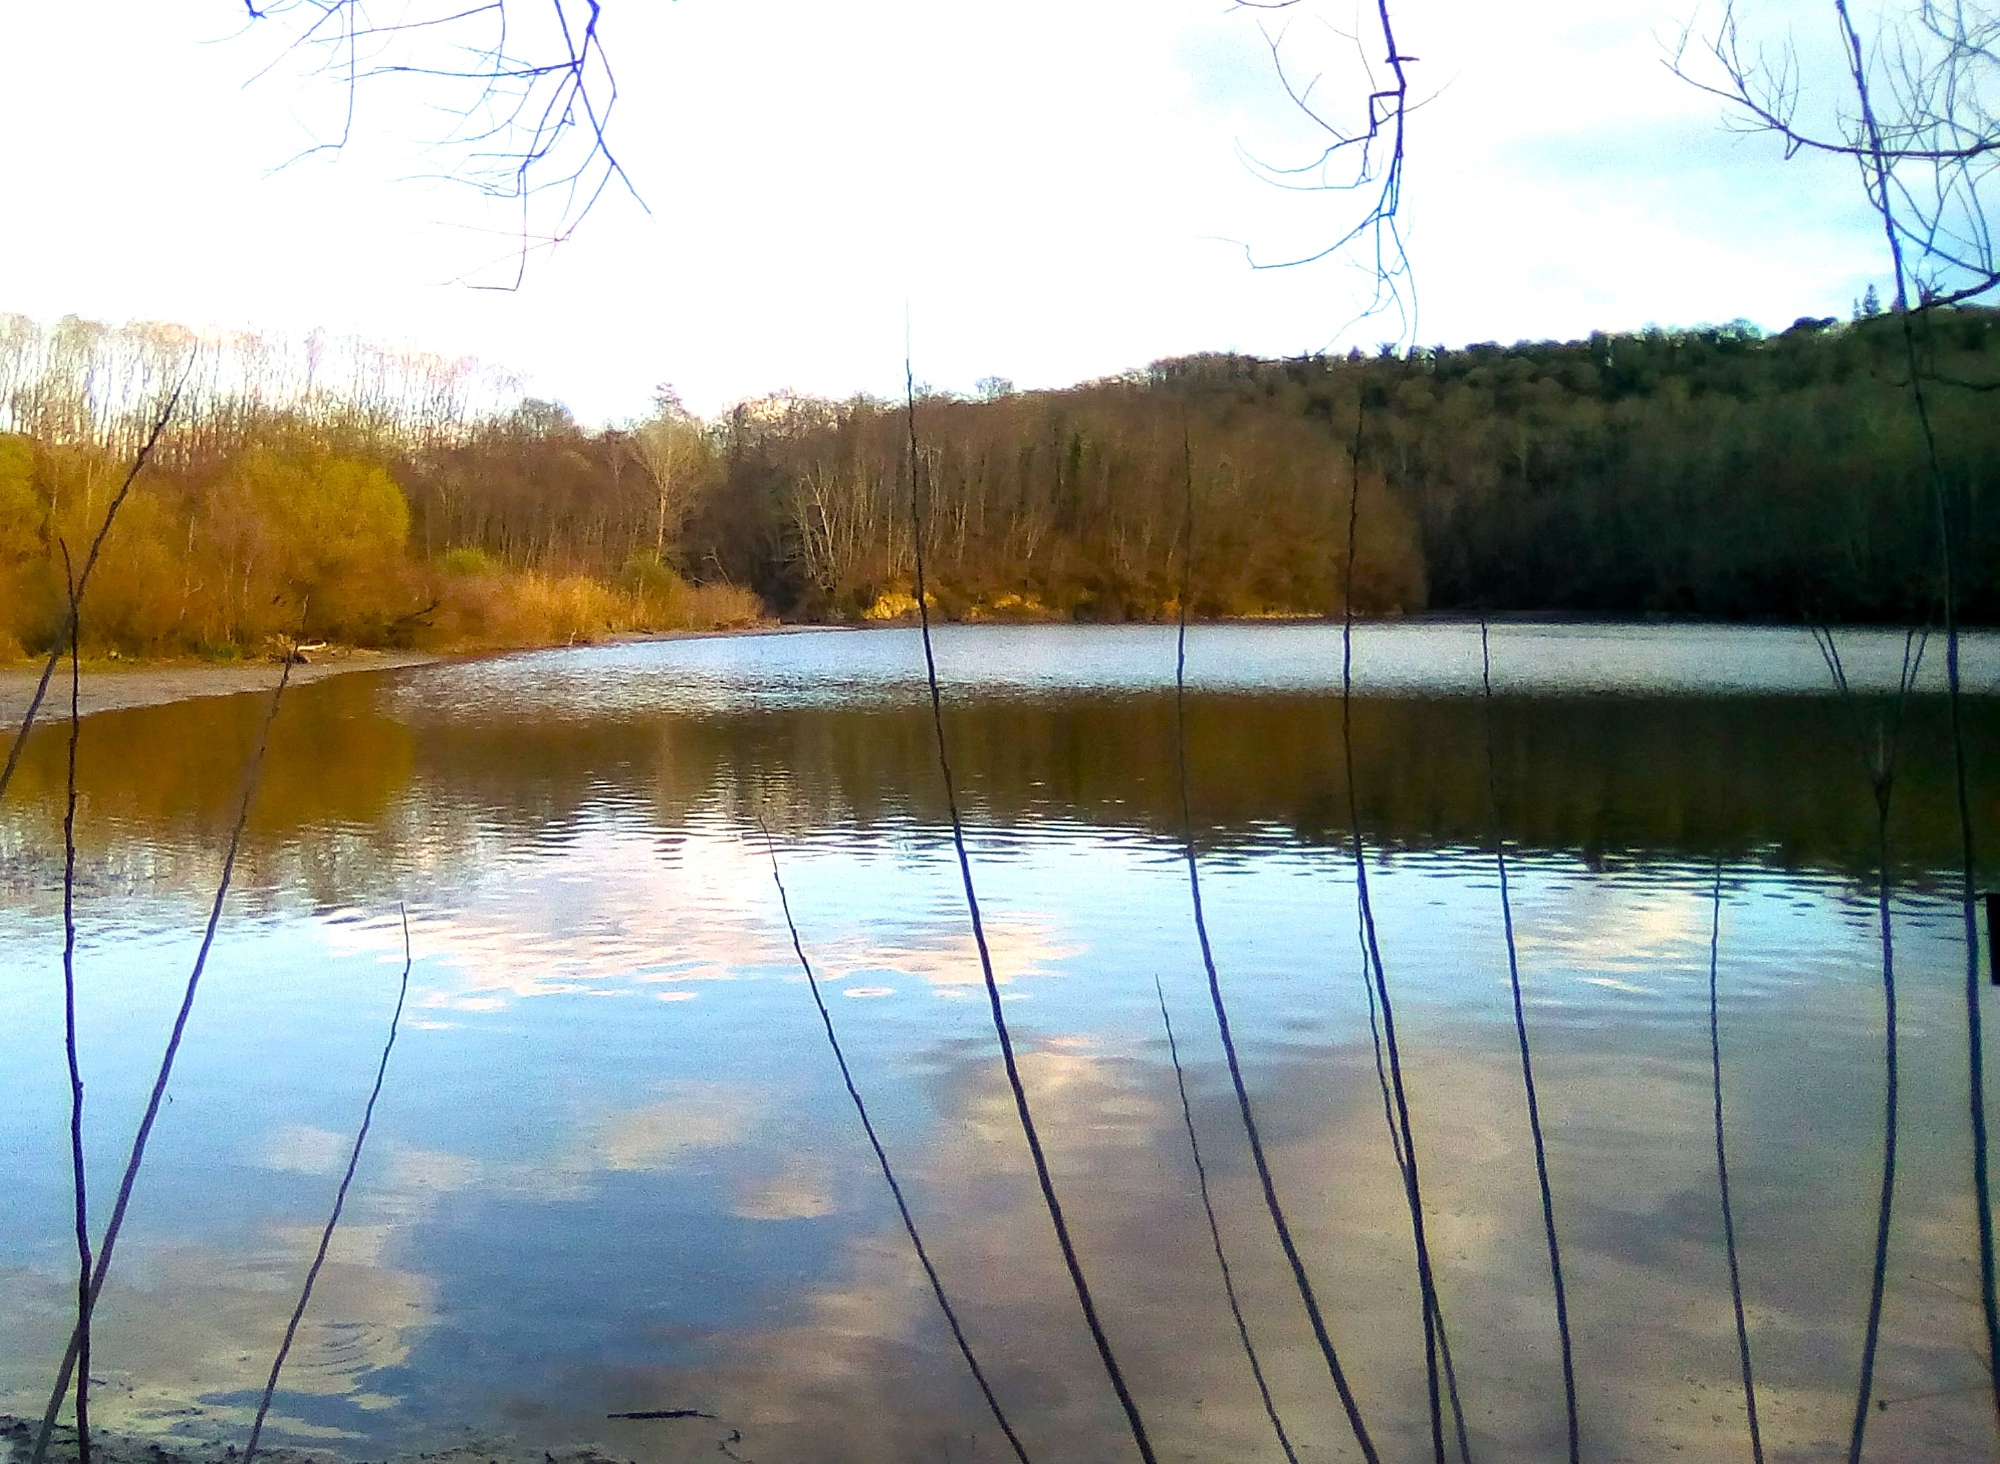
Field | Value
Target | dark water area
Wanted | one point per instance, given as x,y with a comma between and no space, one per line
614,1168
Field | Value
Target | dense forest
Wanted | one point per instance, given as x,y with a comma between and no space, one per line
281,501
336,491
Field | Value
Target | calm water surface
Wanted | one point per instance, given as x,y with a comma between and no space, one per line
614,1168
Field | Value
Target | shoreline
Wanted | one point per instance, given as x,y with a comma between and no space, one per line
110,686
114,686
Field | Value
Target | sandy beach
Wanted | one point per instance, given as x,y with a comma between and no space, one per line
110,686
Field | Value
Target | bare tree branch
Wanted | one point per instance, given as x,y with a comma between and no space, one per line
1918,111
1361,156
529,91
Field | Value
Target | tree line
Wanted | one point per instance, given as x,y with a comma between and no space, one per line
278,504
1706,472
351,493
1711,472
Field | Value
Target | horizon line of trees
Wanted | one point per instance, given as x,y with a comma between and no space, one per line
274,505
1712,472
362,493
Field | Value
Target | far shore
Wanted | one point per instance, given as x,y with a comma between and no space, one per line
110,686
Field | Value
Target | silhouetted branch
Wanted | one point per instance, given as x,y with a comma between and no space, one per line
1927,163
888,1174
1941,130
532,96
1722,1171
1527,1059
1412,1184
1947,506
152,1112
69,1027
1264,1178
1215,1234
1878,744
339,1200
1363,158
1020,1092
1878,1278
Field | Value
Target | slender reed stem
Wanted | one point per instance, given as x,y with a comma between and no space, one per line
1396,1147
882,1160
1264,1178
1722,1170
339,1200
151,1115
1412,1185
81,580
1021,1108
1982,1192
69,1032
1879,754
1215,1236
1879,1276
1883,199
1528,1061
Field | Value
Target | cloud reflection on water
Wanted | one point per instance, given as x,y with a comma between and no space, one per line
649,915
866,1373
855,1367
580,1199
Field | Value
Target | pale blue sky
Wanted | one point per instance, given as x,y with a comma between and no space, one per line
1051,185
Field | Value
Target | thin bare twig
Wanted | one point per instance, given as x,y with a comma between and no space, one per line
533,109
1405,1131
1365,159
1722,1172
1878,745
1939,125
1215,1235
158,1095
1926,166
1021,1108
1300,1279
1527,1058
882,1160
339,1201
1941,498
69,1028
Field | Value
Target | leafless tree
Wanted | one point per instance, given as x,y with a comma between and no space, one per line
672,445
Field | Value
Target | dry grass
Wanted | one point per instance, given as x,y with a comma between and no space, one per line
493,608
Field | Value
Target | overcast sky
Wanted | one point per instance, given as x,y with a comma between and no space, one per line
1056,188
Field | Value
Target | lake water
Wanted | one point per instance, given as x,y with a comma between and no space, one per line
614,1168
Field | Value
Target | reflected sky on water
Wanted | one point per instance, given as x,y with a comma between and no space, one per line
614,1168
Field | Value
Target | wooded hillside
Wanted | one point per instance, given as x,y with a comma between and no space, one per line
381,498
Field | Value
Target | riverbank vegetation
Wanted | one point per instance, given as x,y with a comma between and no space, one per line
277,504
332,491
